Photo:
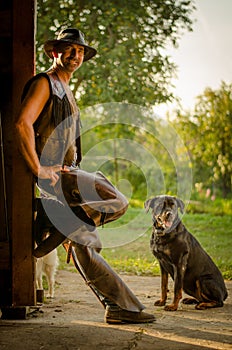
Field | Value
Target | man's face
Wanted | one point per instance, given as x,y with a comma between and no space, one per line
70,56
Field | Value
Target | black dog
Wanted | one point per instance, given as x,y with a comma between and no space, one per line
181,256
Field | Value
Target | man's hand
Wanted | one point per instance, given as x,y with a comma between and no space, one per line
50,172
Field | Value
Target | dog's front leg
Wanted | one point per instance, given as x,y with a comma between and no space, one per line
179,271
164,287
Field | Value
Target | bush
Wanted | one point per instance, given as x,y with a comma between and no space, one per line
218,206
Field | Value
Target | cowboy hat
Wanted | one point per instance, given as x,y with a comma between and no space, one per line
71,36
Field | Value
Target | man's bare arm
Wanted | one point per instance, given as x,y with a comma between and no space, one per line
31,108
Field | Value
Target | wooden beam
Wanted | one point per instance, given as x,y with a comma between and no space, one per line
23,68
5,102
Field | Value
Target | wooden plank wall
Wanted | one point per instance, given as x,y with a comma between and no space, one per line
17,64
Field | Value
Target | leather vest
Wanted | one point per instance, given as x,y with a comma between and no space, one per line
57,129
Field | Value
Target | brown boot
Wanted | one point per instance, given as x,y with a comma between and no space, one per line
113,316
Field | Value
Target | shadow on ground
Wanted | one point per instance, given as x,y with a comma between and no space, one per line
74,319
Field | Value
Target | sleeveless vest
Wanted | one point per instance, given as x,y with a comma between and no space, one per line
57,129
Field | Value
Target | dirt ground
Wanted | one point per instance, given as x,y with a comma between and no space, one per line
74,320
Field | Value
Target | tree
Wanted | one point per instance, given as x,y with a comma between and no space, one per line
130,36
208,136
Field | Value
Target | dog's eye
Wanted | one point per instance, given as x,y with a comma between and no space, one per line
170,204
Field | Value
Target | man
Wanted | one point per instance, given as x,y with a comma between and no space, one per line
74,202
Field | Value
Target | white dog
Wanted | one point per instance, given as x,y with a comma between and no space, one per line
47,265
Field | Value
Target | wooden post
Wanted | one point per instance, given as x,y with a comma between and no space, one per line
23,291
5,101
18,34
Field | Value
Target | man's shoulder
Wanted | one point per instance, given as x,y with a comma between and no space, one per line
39,77
37,81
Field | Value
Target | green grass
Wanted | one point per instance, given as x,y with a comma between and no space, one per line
127,246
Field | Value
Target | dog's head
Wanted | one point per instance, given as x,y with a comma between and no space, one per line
165,212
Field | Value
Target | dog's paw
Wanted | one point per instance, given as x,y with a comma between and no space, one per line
207,305
189,301
159,302
201,306
170,307
50,296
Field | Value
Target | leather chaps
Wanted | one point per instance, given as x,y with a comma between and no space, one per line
83,202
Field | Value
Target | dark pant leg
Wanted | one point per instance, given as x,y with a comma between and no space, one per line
105,279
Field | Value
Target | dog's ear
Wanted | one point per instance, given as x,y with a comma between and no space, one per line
180,204
150,203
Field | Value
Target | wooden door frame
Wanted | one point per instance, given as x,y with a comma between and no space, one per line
19,28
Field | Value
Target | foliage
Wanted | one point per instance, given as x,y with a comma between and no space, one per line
218,206
200,205
130,37
128,142
207,135
213,232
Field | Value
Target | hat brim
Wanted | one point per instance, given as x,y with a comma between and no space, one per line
50,44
